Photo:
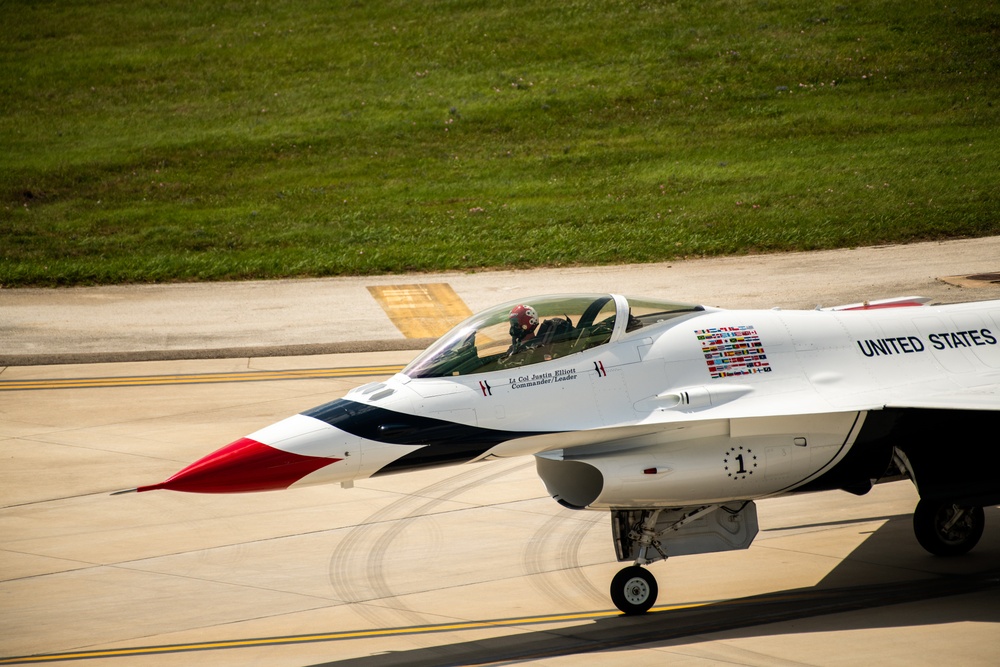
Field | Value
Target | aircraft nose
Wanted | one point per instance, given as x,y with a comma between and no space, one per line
243,466
270,459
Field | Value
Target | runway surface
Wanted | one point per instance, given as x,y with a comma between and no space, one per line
466,565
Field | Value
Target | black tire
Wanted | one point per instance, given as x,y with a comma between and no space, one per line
634,590
930,521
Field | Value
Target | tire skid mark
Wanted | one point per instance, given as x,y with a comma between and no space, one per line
534,559
343,577
572,568
569,530
383,546
375,535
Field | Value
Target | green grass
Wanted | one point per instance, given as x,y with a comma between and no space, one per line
160,141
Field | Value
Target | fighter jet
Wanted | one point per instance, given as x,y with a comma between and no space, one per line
671,416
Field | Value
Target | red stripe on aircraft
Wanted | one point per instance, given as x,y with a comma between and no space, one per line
892,304
243,466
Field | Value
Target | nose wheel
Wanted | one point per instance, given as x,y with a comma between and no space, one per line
634,590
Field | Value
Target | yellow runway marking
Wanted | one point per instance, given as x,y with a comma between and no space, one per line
328,637
198,378
421,311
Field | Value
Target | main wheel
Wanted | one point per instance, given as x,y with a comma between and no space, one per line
947,529
634,590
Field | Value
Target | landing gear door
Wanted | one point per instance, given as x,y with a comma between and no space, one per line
730,527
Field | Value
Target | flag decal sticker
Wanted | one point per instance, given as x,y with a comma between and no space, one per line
733,351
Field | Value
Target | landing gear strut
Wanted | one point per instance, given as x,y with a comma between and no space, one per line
634,590
947,529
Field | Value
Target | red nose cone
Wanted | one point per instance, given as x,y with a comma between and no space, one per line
245,465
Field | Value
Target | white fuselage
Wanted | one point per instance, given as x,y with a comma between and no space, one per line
697,406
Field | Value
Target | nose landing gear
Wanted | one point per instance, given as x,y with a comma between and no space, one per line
634,590
643,535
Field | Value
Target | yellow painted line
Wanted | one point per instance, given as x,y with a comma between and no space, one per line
331,636
421,310
198,378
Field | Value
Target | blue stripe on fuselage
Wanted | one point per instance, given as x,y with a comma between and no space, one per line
444,442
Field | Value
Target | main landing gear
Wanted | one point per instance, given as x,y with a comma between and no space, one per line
947,529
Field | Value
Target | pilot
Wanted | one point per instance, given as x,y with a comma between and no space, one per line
523,322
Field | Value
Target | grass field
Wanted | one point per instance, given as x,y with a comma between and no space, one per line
157,141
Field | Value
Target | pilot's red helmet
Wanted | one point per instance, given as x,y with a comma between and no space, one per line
523,319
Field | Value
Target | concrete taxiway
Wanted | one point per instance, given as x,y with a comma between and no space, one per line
290,317
466,565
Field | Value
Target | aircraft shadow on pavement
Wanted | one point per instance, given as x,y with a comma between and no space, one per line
868,578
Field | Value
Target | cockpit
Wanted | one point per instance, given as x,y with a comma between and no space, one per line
530,331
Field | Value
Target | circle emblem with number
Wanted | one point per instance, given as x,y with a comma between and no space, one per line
739,462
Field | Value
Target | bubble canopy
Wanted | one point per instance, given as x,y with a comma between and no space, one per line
566,324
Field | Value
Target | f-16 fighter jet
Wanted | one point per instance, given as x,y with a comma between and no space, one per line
673,417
